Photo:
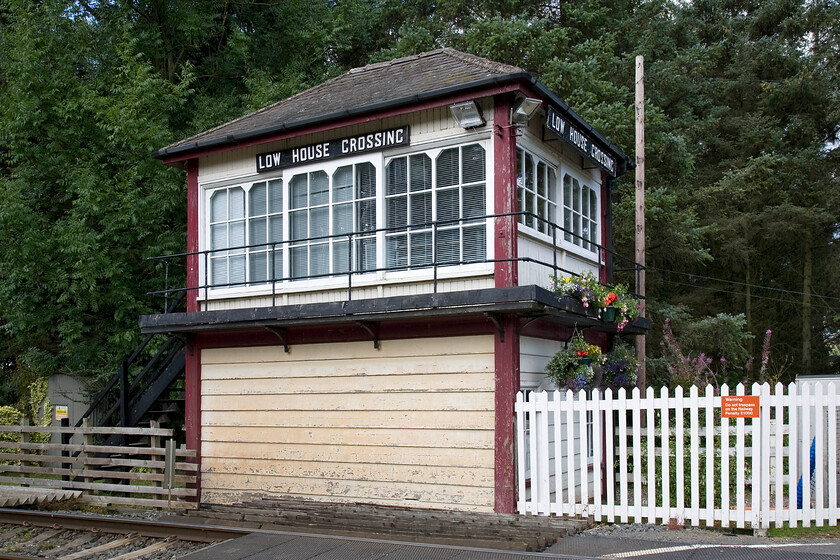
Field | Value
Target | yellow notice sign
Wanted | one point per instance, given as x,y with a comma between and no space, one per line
745,406
61,412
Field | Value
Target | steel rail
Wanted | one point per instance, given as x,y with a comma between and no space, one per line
122,525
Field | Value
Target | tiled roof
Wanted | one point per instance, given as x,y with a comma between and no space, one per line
361,90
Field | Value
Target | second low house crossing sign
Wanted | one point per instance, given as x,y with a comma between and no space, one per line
332,149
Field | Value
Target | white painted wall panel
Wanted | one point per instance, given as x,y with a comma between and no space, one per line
542,252
411,423
388,288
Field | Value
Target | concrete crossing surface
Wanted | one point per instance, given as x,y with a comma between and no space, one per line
270,545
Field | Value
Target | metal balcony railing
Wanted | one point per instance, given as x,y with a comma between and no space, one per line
439,255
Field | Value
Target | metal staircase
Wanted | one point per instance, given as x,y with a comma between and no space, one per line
148,386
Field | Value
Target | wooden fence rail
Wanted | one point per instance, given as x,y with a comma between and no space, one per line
154,474
652,458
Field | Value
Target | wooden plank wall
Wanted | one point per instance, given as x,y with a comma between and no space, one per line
409,424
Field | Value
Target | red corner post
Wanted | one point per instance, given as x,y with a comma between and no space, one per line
192,373
506,275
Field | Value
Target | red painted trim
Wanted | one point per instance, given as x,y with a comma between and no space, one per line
507,385
192,402
604,275
340,123
504,188
192,234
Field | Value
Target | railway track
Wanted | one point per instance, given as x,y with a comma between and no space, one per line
34,534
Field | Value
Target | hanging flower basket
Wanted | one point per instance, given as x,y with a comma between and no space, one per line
616,306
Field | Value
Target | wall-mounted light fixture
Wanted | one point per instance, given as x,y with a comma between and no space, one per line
523,109
467,114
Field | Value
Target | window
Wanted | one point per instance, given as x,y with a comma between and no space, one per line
350,215
324,207
447,187
240,218
580,213
536,191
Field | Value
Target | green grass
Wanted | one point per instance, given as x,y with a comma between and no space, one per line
804,532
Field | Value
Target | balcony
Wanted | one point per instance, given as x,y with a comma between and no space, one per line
355,275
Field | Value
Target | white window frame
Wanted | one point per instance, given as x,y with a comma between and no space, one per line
574,215
529,199
434,190
339,280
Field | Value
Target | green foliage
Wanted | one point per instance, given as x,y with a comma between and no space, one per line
710,350
742,120
583,366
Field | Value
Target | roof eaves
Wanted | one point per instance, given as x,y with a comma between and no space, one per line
233,139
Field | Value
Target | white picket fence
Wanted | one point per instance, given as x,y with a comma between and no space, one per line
620,457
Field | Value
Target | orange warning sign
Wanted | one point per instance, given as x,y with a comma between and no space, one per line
745,406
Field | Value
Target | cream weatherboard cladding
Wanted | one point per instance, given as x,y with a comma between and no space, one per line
412,423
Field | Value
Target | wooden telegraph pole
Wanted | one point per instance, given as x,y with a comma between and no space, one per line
640,210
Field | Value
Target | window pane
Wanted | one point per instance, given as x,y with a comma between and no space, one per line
237,203
319,222
218,238
258,267
567,224
421,248
529,175
552,185
529,206
447,168
237,269
343,218
593,205
448,246
343,184
256,200
395,176
541,172
567,191
474,244
218,206
257,232
421,172
218,271
421,209
237,234
299,265
448,205
298,188
365,180
275,224
275,196
300,228
520,175
278,264
366,210
473,160
341,258
474,201
396,211
396,253
319,259
576,195
318,185
366,254
542,212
